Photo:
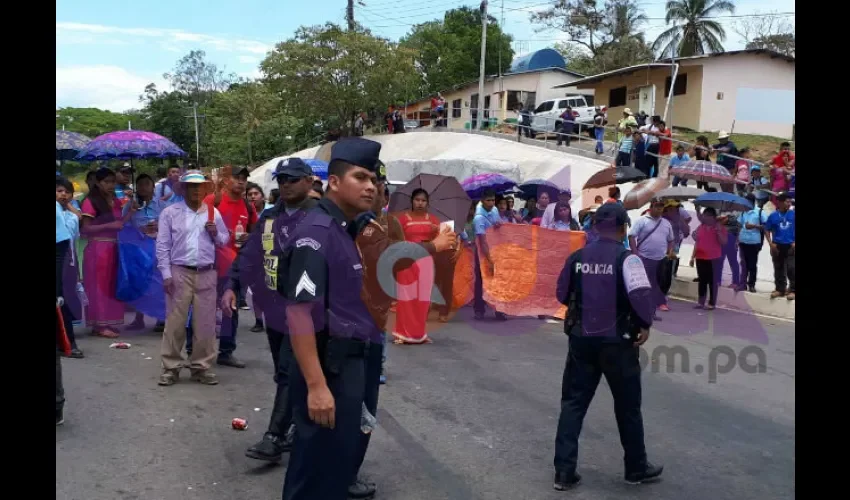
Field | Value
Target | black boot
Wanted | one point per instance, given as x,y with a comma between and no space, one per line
648,473
278,439
361,489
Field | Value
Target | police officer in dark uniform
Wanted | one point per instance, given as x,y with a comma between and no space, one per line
382,235
610,311
256,267
327,382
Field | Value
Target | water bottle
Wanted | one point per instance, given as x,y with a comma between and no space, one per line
367,421
239,233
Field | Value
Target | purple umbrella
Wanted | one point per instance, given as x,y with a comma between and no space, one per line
128,144
477,184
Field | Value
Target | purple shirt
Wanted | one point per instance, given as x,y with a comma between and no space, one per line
182,239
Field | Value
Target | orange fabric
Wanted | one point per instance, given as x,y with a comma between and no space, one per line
62,341
527,261
463,289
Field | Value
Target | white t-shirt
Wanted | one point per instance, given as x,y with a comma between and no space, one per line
651,241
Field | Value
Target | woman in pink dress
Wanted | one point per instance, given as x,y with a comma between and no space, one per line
416,281
101,222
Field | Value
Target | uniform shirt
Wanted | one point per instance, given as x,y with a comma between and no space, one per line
324,269
626,145
652,246
611,287
183,240
782,226
62,232
751,236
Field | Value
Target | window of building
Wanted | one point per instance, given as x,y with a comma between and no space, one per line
456,108
679,88
518,98
617,97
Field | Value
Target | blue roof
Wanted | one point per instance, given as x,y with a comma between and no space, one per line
541,59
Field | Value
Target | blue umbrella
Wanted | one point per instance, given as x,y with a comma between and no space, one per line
534,187
320,167
723,202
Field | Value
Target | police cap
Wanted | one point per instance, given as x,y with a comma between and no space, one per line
292,167
357,151
611,216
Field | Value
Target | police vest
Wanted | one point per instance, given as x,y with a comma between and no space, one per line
269,259
598,304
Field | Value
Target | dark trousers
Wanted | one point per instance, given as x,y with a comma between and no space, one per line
624,159
282,357
784,270
651,160
651,267
374,359
587,361
707,281
478,304
730,254
60,389
229,326
563,133
750,258
322,459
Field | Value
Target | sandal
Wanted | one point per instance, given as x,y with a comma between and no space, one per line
109,334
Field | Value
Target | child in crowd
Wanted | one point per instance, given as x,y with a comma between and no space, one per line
742,171
624,155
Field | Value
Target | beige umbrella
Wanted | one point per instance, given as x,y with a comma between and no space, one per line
643,192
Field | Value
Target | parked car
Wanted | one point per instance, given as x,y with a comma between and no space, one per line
547,115
410,124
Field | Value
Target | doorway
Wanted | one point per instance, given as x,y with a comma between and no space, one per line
646,100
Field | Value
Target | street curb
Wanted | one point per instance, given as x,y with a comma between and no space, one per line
759,304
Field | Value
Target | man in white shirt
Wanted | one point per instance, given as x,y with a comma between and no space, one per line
651,238
189,233
650,134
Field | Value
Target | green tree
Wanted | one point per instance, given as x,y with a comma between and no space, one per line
448,51
325,75
693,32
93,122
247,123
166,114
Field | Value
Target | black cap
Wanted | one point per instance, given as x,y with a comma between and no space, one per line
357,151
237,171
613,215
782,196
292,167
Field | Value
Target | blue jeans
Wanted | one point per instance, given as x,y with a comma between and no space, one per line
679,182
599,133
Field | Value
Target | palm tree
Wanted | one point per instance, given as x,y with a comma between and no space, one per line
693,32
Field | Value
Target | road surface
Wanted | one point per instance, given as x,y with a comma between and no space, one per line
470,417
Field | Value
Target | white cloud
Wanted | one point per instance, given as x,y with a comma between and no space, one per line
105,87
80,33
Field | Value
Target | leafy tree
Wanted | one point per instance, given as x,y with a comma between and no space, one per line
198,79
448,51
93,122
784,43
693,33
166,114
770,31
325,75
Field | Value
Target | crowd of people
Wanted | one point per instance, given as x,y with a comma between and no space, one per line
214,240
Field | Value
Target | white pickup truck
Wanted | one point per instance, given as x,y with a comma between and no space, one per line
547,115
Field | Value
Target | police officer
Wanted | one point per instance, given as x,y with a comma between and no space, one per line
256,267
379,234
324,272
610,311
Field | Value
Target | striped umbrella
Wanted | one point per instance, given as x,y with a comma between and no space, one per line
704,171
643,192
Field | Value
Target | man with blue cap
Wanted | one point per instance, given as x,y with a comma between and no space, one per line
609,312
256,267
323,271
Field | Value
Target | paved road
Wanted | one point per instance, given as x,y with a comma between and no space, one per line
471,416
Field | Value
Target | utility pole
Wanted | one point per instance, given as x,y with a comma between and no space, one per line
349,15
483,9
197,134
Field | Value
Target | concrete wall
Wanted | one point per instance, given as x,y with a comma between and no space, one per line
729,75
685,107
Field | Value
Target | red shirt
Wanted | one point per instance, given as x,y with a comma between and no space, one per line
233,212
665,147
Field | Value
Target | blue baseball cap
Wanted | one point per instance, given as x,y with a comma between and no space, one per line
292,167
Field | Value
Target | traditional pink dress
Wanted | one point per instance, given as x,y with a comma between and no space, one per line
100,270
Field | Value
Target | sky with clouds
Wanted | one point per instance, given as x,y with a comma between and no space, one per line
107,53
